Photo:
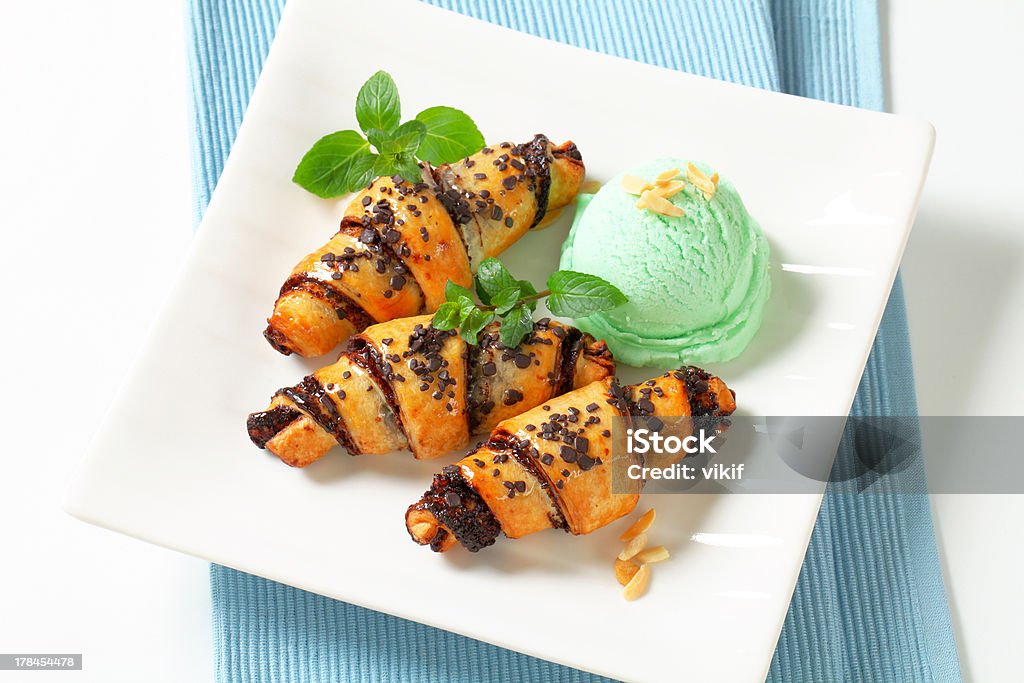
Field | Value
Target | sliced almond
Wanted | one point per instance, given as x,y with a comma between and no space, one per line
634,184
637,586
651,555
624,571
639,526
667,175
650,200
633,547
669,188
700,181
695,175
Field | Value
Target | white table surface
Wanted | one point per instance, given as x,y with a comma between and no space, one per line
94,187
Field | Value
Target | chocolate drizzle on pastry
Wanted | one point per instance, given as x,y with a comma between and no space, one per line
311,397
277,340
265,425
491,198
431,370
418,366
572,345
363,354
530,164
376,231
538,170
703,402
458,507
555,447
343,306
453,199
527,455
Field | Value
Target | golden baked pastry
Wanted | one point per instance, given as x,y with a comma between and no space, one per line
403,384
400,242
550,467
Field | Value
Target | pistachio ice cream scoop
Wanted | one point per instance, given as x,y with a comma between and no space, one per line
686,252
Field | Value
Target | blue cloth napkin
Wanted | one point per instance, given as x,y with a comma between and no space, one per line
870,603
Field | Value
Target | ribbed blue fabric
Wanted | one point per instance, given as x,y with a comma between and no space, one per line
227,42
870,603
870,600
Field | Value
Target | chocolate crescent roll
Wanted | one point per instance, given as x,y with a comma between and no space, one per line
400,242
550,467
403,384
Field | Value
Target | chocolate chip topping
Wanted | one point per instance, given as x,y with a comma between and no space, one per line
702,401
310,397
511,397
460,508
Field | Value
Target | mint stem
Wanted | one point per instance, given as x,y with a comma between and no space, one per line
532,297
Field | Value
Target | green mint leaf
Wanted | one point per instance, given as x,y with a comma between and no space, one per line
505,300
451,135
409,168
360,172
404,165
453,292
515,325
377,104
466,308
447,316
333,163
576,295
409,136
472,323
405,139
385,165
378,138
491,278
527,289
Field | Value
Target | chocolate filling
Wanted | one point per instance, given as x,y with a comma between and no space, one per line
478,393
569,151
469,519
363,354
569,354
277,340
460,508
522,451
265,425
703,402
342,304
454,201
376,231
535,158
311,397
535,154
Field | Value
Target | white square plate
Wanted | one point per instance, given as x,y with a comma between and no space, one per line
834,188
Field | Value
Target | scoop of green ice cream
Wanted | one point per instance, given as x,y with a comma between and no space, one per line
697,284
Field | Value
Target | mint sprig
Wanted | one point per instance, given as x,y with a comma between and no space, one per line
332,164
377,104
577,295
513,301
348,160
450,133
